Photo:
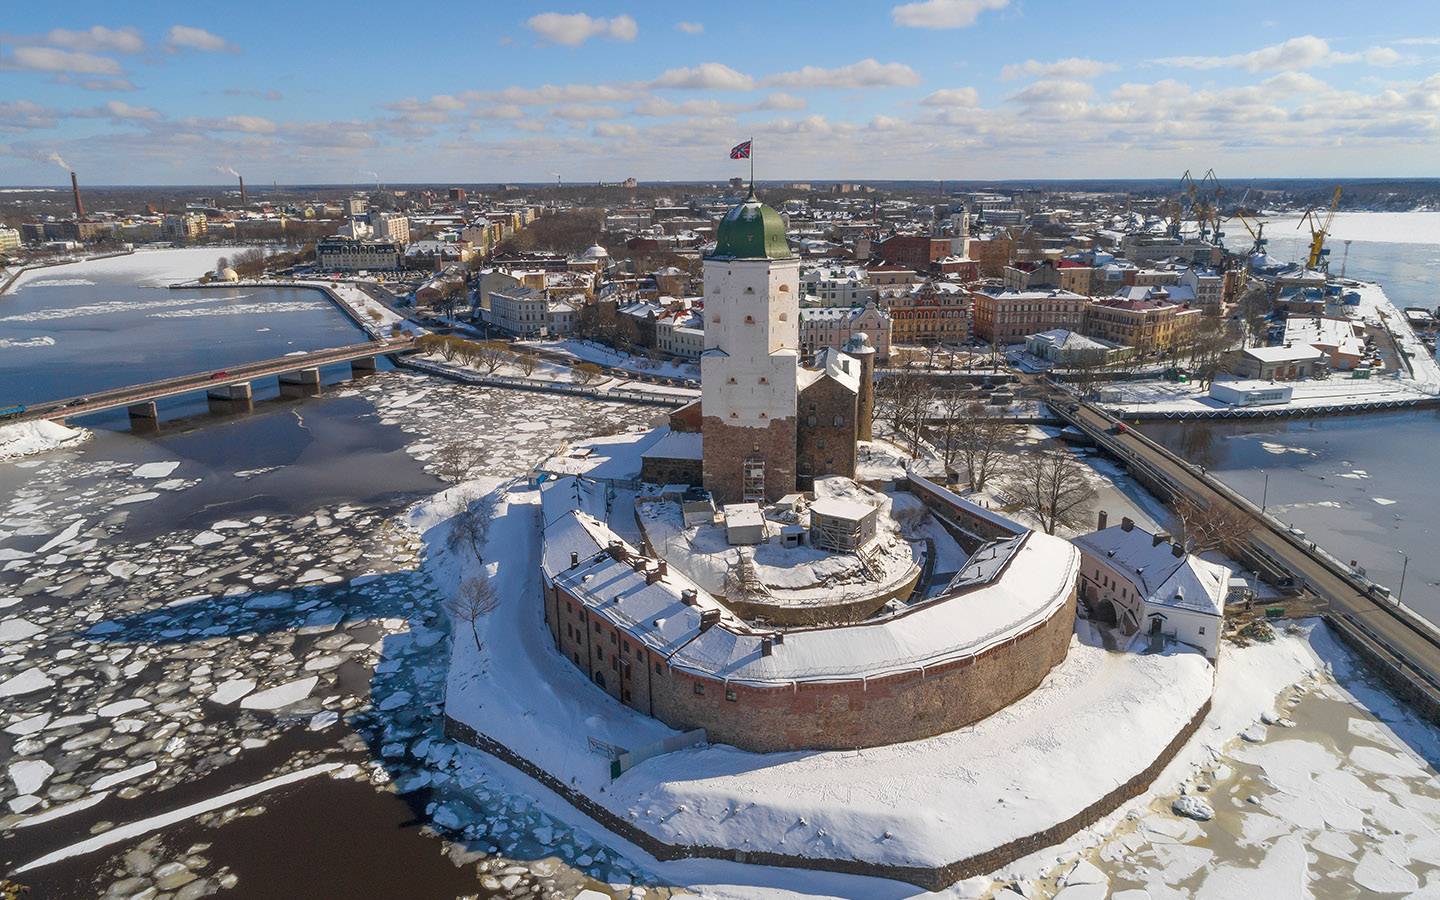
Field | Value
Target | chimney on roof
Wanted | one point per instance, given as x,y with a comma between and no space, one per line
662,568
689,597
709,618
766,647
652,576
1102,520
1177,550
1127,524
574,559
1158,538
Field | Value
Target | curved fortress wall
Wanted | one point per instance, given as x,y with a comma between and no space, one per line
653,641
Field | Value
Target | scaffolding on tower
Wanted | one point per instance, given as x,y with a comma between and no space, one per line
752,481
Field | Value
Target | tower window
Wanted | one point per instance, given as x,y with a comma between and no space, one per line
764,380
749,320
839,421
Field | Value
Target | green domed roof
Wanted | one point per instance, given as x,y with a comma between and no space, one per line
751,230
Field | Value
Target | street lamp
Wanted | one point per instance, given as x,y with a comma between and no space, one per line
1400,595
1265,493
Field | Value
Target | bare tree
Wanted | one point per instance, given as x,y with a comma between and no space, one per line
1211,526
470,526
455,460
1051,484
449,347
476,600
492,355
902,399
982,437
587,373
951,406
526,362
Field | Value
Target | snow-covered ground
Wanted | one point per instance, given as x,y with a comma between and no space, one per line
19,439
1160,396
588,351
927,802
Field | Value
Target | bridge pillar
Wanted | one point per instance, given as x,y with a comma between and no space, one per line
301,376
145,410
365,365
239,391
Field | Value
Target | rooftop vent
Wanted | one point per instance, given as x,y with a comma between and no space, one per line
689,597
1127,524
709,618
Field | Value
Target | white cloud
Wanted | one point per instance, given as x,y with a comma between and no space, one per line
1074,68
50,59
97,84
242,124
867,73
574,29
115,109
708,76
1305,52
188,38
689,27
778,101
584,112
119,40
433,111
966,96
565,93
938,14
1294,83
615,130
500,111
1050,92
1382,56
22,115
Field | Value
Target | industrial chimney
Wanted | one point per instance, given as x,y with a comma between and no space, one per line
244,201
75,186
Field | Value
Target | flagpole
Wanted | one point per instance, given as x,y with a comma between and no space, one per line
752,165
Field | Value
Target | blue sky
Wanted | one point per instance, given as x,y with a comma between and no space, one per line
178,93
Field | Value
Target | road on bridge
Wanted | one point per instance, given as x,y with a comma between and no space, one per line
1416,642
185,384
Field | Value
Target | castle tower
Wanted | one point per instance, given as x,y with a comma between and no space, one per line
859,347
748,372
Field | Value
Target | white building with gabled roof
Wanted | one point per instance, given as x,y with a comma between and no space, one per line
1153,585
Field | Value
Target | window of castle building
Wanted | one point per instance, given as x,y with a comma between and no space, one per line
700,688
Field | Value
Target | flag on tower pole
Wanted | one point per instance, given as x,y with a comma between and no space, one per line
742,151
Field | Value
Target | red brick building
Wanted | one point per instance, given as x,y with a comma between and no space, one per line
918,251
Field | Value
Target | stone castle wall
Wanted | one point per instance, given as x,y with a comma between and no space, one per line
728,446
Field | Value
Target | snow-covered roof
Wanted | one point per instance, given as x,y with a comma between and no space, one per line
1158,574
743,515
1295,353
836,508
676,445
830,362
1027,592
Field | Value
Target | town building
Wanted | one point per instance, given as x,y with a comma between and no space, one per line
844,287
1071,349
1282,363
930,314
350,255
1142,318
833,327
1007,316
390,226
1342,340
918,251
680,329
1151,585
1068,275
9,238
522,311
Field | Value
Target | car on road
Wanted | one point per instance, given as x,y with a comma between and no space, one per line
220,374
1118,428
78,401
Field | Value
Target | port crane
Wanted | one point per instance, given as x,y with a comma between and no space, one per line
1257,230
1319,230
1203,199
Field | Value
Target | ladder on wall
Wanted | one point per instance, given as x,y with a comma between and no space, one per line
752,480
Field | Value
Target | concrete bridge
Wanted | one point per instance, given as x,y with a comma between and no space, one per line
301,370
1402,646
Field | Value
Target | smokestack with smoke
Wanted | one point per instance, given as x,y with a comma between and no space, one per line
75,186
244,201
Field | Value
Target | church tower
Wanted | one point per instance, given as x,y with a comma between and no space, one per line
748,372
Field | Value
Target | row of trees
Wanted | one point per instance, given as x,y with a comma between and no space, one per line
487,355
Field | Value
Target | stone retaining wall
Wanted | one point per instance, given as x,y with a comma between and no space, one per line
933,878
